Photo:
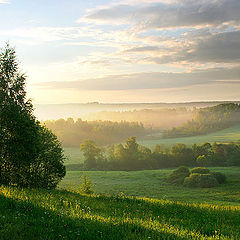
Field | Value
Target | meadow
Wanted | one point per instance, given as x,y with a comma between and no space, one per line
125,205
153,184
57,214
231,134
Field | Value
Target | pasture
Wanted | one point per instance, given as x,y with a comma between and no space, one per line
153,184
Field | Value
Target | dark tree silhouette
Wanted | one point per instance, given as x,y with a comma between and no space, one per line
30,155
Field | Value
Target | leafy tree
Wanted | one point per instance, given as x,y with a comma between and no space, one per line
131,153
92,153
22,138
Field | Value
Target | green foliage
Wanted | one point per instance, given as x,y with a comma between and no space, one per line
200,170
30,155
47,170
133,156
220,177
201,180
178,175
86,184
92,153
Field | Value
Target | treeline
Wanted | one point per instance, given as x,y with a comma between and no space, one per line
156,118
132,156
208,120
72,133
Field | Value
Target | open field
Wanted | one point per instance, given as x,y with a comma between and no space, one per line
227,135
153,184
41,214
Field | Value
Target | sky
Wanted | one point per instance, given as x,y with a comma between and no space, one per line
76,51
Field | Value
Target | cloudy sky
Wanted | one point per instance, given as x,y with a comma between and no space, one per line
126,50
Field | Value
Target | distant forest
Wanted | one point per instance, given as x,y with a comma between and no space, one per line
207,120
72,133
156,118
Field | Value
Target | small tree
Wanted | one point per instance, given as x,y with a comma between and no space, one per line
86,184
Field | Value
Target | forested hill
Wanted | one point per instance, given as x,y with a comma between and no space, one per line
72,133
208,120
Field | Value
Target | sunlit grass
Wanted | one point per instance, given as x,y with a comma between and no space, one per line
67,215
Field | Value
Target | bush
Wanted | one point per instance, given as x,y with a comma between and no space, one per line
178,176
192,180
220,177
200,170
86,185
201,180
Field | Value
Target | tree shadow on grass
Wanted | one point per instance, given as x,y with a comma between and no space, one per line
22,220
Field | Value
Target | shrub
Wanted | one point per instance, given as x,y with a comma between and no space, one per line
200,170
192,180
220,177
207,181
86,185
178,175
201,180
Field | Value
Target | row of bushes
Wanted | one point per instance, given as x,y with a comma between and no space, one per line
197,177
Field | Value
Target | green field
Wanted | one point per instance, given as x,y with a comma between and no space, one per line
40,214
227,135
153,184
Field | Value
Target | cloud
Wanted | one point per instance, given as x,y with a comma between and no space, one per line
206,48
222,47
152,80
173,14
142,49
4,1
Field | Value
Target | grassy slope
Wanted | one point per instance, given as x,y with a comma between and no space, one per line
227,135
38,214
153,184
